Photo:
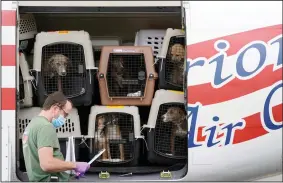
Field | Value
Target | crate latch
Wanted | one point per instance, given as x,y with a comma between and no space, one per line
101,75
151,76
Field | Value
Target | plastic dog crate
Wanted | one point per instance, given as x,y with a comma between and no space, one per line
150,37
25,85
99,42
70,128
120,135
172,60
63,61
160,133
126,75
27,32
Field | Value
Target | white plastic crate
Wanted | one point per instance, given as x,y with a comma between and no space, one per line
96,110
129,124
64,62
169,33
63,37
160,133
150,37
25,89
70,128
27,26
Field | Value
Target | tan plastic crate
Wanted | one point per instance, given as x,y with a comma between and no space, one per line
126,75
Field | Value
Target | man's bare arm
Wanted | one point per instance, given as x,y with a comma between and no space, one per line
50,164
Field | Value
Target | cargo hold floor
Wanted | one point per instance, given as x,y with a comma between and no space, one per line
137,170
136,174
91,177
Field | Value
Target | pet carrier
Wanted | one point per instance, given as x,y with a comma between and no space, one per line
99,42
70,128
172,60
25,83
150,37
126,75
167,134
27,31
64,62
117,129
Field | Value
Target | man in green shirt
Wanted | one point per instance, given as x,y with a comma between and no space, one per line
41,149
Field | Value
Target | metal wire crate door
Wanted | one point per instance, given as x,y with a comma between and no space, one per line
115,133
174,65
126,75
163,134
68,57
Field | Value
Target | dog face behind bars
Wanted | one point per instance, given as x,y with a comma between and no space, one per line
57,64
175,115
177,52
118,66
112,119
178,118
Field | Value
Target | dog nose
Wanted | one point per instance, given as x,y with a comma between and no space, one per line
64,73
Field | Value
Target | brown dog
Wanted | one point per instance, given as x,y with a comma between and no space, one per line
178,74
117,69
113,132
56,65
178,117
177,52
108,129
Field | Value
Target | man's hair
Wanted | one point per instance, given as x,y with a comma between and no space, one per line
57,98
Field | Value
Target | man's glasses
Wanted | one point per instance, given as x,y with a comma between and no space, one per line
65,113
61,107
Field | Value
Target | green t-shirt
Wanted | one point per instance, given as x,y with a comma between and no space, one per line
40,133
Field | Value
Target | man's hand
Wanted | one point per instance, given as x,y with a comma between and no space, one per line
81,168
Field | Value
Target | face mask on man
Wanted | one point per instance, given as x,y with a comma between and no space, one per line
58,122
